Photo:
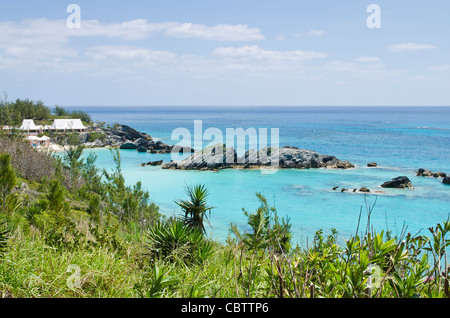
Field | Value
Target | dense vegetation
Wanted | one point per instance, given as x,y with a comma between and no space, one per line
13,113
68,229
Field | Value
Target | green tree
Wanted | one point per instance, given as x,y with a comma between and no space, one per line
7,180
56,198
195,208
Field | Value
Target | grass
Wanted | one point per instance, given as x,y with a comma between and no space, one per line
33,269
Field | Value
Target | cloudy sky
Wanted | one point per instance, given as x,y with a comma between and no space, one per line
226,52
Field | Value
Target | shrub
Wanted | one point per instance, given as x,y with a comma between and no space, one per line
174,241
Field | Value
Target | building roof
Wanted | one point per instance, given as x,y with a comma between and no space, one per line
63,124
43,138
28,124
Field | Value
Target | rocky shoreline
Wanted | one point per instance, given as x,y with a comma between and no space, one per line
125,137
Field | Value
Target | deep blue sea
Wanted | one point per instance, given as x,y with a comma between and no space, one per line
399,139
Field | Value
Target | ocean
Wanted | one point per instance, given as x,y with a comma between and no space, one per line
399,139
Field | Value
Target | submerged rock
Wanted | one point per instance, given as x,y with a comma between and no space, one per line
399,182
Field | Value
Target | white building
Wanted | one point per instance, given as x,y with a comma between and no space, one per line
29,126
39,141
59,125
67,125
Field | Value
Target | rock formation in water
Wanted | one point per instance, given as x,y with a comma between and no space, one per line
399,182
222,157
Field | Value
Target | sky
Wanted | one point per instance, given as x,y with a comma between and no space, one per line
226,52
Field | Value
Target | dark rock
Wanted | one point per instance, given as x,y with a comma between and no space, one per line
424,173
128,145
372,164
155,163
364,190
141,149
446,180
344,190
335,188
399,182
142,142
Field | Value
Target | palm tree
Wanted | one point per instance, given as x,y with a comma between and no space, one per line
195,207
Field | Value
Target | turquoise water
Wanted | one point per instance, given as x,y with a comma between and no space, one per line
400,140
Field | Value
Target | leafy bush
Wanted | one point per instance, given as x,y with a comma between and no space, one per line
173,241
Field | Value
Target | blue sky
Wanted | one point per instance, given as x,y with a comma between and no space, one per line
194,52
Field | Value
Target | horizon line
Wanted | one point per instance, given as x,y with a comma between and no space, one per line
253,105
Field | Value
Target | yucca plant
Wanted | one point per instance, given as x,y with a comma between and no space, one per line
195,208
174,241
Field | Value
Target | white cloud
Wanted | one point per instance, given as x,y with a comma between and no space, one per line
316,32
221,32
254,52
440,68
310,33
129,30
410,47
44,44
368,59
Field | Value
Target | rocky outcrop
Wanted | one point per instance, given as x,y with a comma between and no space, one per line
128,145
427,173
372,164
155,163
125,137
222,157
399,183
446,180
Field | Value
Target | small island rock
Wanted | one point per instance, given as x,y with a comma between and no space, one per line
399,183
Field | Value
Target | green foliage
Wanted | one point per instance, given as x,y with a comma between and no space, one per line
4,236
155,282
195,208
267,229
73,139
128,203
76,114
13,113
93,136
8,200
174,241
